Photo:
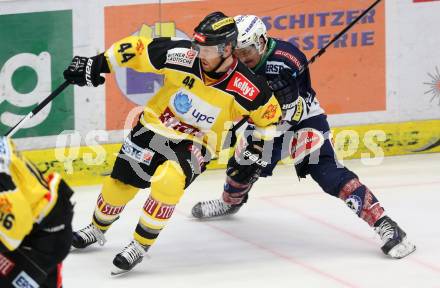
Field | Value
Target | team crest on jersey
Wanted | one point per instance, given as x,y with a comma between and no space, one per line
140,47
305,142
243,86
270,112
193,110
274,67
181,56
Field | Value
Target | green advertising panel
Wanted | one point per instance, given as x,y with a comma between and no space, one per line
35,49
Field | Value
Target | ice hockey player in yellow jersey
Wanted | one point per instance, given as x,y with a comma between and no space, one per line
35,222
182,127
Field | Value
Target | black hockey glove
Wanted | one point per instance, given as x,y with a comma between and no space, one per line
245,168
86,71
285,89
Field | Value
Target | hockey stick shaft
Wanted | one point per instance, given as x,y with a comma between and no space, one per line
312,60
339,35
37,109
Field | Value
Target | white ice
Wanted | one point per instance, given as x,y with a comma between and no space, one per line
290,234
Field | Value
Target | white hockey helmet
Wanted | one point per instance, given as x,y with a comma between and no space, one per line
250,30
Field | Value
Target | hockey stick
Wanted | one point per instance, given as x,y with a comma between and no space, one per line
321,51
37,109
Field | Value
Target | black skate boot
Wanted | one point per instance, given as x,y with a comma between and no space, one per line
214,208
393,237
129,257
88,236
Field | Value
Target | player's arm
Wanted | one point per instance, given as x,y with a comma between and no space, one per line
138,53
253,155
16,218
286,90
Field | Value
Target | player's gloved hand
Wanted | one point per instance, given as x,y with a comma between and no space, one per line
86,71
285,89
245,167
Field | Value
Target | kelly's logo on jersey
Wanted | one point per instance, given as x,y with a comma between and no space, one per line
194,110
241,85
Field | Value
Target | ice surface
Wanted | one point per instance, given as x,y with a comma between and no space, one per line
290,234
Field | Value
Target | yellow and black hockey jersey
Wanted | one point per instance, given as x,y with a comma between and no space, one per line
25,196
189,105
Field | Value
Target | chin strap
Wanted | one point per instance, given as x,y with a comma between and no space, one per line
220,64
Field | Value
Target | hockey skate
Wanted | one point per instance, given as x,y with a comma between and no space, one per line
87,236
394,239
214,208
129,257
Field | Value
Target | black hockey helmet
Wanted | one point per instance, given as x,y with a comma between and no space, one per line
216,29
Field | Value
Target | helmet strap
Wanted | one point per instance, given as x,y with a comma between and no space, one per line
220,63
223,59
265,46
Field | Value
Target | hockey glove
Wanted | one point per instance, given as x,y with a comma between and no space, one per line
246,166
285,89
86,71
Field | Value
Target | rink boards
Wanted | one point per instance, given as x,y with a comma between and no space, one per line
88,165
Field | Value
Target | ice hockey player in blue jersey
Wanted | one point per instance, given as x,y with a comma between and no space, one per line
304,135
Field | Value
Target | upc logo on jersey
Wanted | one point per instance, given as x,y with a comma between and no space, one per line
194,110
241,85
181,56
182,103
23,280
142,155
274,67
